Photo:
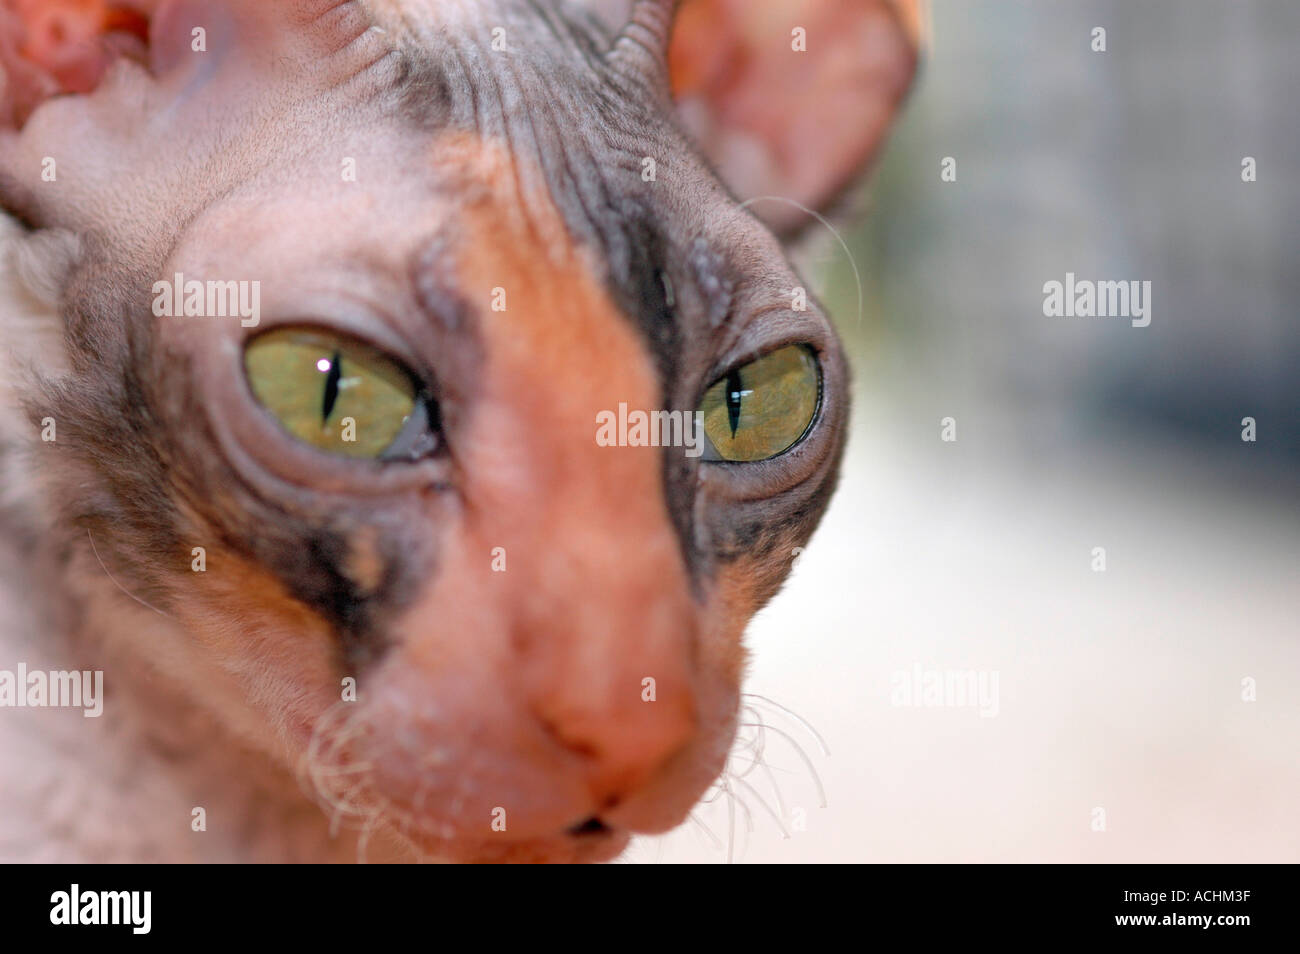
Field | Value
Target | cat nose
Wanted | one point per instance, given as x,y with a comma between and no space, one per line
607,662
623,744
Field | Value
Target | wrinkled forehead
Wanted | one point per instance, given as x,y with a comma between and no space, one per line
675,254
387,251
561,133
469,175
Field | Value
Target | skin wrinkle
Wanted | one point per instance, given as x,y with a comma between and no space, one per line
534,140
563,160
567,34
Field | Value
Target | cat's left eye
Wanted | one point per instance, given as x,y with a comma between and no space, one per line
760,410
339,395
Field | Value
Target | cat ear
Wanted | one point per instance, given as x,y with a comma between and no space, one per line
220,69
66,46
792,99
786,98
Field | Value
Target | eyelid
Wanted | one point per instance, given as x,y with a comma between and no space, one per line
764,320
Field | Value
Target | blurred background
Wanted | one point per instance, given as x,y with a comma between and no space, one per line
1149,711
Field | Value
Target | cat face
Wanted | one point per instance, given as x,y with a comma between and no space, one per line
410,490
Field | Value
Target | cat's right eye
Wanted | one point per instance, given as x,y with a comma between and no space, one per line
339,395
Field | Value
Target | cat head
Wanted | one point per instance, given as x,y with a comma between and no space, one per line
422,365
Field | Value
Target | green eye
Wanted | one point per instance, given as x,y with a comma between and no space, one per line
335,393
764,408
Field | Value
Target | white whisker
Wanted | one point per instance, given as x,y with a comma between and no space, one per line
731,826
808,726
717,842
817,779
95,551
766,807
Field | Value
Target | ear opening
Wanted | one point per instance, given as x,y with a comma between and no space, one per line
61,46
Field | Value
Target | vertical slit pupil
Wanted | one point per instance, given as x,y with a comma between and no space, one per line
331,387
733,400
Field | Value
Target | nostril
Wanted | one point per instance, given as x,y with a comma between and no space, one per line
582,747
592,826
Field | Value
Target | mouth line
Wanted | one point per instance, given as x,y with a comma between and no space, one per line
593,827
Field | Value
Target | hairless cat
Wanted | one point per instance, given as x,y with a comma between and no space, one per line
403,411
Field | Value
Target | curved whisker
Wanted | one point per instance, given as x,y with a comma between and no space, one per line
784,710
817,779
766,807
731,825
699,823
